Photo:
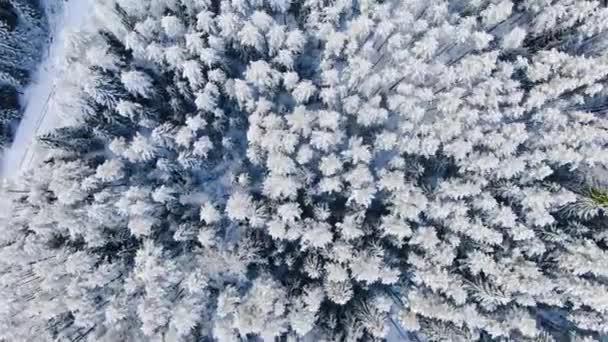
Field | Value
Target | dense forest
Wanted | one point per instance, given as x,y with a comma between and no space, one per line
22,35
318,170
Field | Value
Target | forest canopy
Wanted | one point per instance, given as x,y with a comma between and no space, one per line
312,170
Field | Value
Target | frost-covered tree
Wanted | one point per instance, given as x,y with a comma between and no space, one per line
313,170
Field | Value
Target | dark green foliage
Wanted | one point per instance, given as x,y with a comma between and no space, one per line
109,124
72,139
9,98
116,46
14,75
9,111
29,9
8,16
4,133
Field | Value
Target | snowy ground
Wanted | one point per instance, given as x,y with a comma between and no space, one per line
38,97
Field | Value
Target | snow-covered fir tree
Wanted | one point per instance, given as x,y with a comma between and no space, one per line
344,170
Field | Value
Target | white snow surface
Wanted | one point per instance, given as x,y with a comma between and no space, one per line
39,117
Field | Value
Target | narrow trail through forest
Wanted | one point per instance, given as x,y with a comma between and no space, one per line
38,117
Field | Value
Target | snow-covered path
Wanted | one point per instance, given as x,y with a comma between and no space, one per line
38,97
